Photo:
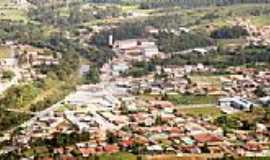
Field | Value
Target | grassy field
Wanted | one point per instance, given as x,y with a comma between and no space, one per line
202,111
191,99
254,116
206,80
225,16
227,42
4,52
260,20
10,11
13,14
118,156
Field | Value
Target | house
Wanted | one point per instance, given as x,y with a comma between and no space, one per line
126,143
265,101
201,51
150,51
84,69
151,30
155,148
87,151
184,29
207,138
111,149
161,104
117,69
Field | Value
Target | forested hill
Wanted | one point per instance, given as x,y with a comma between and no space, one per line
148,4
183,3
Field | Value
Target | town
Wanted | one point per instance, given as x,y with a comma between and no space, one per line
138,90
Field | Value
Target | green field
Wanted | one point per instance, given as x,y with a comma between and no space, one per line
260,20
13,14
191,99
11,11
118,156
202,111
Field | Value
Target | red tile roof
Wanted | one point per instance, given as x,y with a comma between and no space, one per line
203,138
111,149
161,104
87,151
253,147
127,143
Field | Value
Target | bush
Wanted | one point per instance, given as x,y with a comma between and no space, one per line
229,32
8,74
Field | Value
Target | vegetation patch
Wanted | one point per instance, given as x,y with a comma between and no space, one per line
11,119
202,111
191,99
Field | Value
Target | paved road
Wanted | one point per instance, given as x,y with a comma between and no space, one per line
21,111
184,52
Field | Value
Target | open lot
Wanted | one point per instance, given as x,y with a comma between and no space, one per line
192,99
205,79
202,111
4,52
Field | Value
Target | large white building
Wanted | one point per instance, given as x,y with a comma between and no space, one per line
236,103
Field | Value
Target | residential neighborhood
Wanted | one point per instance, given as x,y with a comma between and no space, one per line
134,80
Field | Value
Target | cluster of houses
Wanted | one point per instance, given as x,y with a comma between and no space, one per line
31,60
169,80
110,109
150,127
28,60
258,36
245,82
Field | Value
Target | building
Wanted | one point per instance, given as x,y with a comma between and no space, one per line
117,69
126,44
236,103
150,51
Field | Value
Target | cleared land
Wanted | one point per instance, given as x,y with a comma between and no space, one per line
202,111
5,52
179,99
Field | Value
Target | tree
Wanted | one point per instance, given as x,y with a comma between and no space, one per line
8,74
229,32
260,91
93,75
111,138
